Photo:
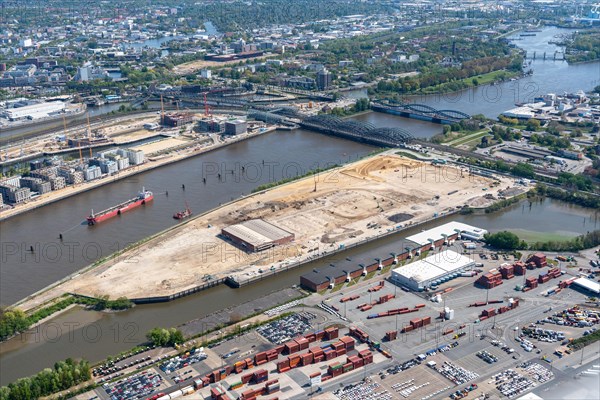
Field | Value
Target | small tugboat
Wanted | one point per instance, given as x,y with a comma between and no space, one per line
183,214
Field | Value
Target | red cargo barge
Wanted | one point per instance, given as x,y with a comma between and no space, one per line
142,198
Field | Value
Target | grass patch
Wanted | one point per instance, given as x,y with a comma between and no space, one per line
583,341
337,287
533,236
352,282
386,269
370,275
476,137
407,155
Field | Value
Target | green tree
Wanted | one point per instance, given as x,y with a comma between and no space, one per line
532,124
159,336
504,240
524,170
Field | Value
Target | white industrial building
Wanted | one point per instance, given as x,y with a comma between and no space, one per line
588,284
34,111
432,270
465,231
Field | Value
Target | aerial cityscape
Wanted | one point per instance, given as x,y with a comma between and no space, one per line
340,200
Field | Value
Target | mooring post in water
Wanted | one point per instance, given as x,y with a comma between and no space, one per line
183,187
31,248
60,236
167,193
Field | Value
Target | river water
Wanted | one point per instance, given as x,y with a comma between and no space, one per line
285,154
548,77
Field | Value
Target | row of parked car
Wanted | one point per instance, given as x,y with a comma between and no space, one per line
134,387
191,357
487,356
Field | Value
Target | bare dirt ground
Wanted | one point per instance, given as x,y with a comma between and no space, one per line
160,145
346,205
194,66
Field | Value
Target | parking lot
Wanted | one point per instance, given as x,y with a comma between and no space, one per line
366,390
192,357
417,382
287,328
137,386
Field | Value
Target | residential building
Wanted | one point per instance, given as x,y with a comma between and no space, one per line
324,79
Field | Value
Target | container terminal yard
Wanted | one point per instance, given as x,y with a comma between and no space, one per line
325,213
493,333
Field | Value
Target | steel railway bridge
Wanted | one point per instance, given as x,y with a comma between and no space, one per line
419,111
359,131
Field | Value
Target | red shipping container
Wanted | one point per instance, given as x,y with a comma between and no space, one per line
316,351
294,361
307,359
291,347
311,338
279,349
331,333
302,342
340,352
420,306
426,320
248,377
318,359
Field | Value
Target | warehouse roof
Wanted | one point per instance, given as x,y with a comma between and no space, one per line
588,284
257,232
448,229
434,266
353,263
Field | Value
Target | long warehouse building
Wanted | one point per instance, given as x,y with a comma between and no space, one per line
393,253
256,235
432,271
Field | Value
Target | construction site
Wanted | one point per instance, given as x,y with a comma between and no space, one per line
357,202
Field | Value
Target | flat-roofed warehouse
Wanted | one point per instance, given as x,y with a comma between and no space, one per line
432,270
256,235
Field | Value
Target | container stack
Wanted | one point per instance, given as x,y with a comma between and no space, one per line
531,282
331,333
359,334
519,268
507,271
491,279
